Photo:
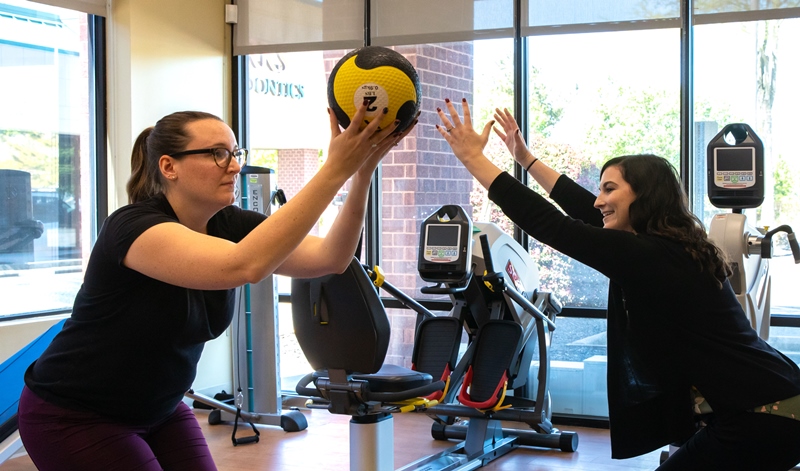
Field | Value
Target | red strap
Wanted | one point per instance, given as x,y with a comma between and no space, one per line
464,398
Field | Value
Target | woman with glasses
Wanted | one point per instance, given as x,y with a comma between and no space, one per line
674,326
107,393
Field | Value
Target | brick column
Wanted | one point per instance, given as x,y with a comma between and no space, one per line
420,176
295,168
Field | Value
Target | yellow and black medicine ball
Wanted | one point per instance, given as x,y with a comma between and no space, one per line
381,76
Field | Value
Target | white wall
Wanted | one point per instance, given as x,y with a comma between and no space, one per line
163,56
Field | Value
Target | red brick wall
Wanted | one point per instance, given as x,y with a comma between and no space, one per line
295,168
420,176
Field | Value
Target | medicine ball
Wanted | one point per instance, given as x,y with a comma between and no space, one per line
383,77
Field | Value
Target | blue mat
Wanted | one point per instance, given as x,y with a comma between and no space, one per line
12,373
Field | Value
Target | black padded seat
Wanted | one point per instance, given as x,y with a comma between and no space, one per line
393,378
390,378
342,328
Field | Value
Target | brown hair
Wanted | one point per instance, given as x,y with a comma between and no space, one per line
661,208
168,136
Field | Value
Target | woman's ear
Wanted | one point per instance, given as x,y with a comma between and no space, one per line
166,165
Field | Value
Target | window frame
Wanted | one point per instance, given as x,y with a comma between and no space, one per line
686,22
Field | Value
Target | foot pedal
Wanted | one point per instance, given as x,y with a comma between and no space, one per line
436,349
497,345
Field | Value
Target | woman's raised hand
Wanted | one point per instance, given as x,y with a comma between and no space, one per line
511,136
349,149
467,144
463,139
383,148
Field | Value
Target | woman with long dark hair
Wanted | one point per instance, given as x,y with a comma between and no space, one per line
676,331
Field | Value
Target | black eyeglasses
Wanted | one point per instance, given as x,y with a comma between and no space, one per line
222,156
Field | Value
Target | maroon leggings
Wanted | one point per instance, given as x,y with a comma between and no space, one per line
59,439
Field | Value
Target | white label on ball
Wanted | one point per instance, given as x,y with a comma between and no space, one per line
375,94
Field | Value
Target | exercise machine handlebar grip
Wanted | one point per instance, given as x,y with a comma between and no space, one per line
487,253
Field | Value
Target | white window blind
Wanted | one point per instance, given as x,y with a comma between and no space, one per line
395,22
298,25
93,7
543,17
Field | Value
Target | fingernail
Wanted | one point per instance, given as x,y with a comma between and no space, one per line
447,100
438,109
464,100
396,122
437,126
366,102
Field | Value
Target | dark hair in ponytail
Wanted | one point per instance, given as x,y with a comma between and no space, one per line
168,136
661,208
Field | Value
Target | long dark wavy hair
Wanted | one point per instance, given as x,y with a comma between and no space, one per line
661,208
168,136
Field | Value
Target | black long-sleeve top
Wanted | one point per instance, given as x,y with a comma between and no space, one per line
669,326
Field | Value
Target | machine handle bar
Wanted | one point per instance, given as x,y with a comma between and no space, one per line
511,290
766,244
402,297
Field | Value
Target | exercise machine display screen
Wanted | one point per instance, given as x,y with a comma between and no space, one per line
734,167
442,243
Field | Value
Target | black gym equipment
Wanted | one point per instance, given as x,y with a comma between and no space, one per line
342,328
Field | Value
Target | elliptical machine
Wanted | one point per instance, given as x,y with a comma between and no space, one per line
496,298
504,316
736,181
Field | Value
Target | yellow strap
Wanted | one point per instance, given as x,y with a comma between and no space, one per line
379,277
410,405
488,285
498,405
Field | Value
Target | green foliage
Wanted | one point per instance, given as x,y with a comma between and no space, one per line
495,89
267,158
32,152
639,121
787,182
635,122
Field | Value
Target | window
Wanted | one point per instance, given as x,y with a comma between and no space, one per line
745,72
587,105
289,133
597,83
46,156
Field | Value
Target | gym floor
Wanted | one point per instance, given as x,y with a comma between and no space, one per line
324,445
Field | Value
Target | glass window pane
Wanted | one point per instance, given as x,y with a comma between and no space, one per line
289,133
46,156
588,105
747,73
